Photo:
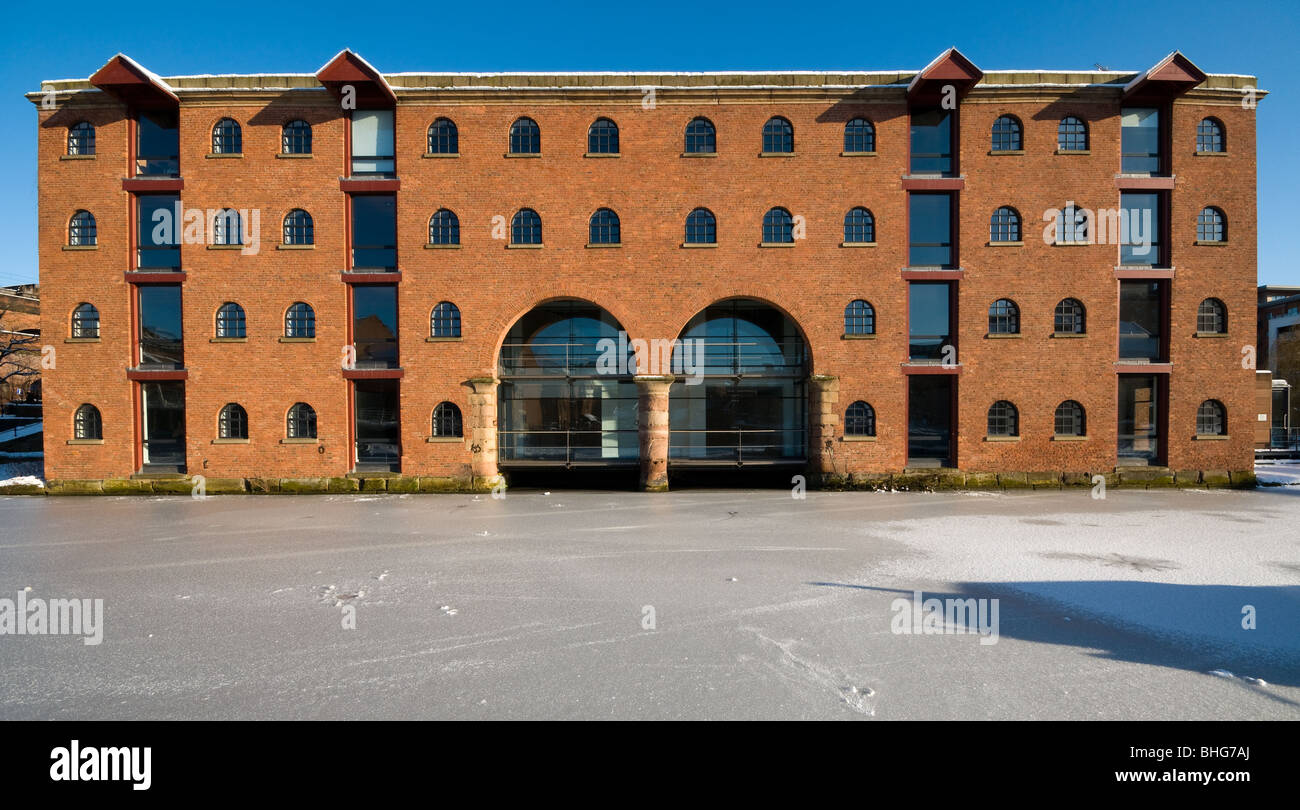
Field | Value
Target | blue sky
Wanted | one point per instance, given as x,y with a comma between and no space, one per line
56,42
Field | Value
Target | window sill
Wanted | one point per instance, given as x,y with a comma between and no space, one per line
293,155
513,246
225,247
444,439
1001,438
1073,244
1000,152
602,154
443,340
1073,151
295,247
81,340
82,442
225,156
1069,335
300,441
1210,154
857,244
297,339
523,155
228,340
1003,336
699,154
696,245
597,245
776,244
1005,244
1210,244
76,157
81,247
1203,437
1069,438
440,155
777,154
441,246
858,438
857,154
230,441
847,336
1210,335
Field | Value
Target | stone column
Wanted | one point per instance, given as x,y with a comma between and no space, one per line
482,434
652,429
823,422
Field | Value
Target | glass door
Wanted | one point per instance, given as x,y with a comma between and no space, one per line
377,426
1139,419
164,425
929,420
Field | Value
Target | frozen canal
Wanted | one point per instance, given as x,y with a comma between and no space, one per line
695,604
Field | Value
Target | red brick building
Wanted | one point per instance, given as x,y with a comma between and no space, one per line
1031,275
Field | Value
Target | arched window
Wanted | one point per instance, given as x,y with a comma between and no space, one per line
300,321
227,138
1211,226
230,321
1070,419
1211,419
1068,319
1004,419
444,228
860,420
1004,317
295,138
859,226
1007,134
227,228
87,424
298,228
81,138
604,228
1210,136
1004,225
446,420
526,228
701,227
301,422
859,137
525,137
81,229
85,321
1071,224
859,318
701,137
778,136
232,423
778,226
602,137
1072,135
445,321
1212,317
444,139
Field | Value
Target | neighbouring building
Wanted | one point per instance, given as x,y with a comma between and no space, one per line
1278,338
20,353
455,276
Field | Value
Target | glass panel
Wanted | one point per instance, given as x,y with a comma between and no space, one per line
563,421
372,142
1140,227
164,423
1141,320
738,420
1140,140
374,326
378,436
374,232
161,344
929,419
932,142
929,319
158,231
158,144
929,230
1139,409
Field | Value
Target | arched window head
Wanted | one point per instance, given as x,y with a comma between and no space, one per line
778,136
859,137
231,321
1210,136
1007,134
81,138
445,321
444,139
85,321
525,137
1070,419
859,226
82,231
1212,317
604,228
602,137
300,321
295,138
778,226
1211,225
87,424
1068,318
301,422
1211,419
1004,419
446,420
232,422
1072,134
298,228
1004,225
227,138
526,228
860,420
1004,317
444,228
701,227
859,318
701,137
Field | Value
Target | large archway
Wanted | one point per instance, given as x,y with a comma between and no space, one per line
740,395
565,399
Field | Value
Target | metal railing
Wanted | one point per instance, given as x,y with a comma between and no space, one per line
1284,438
567,447
739,445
